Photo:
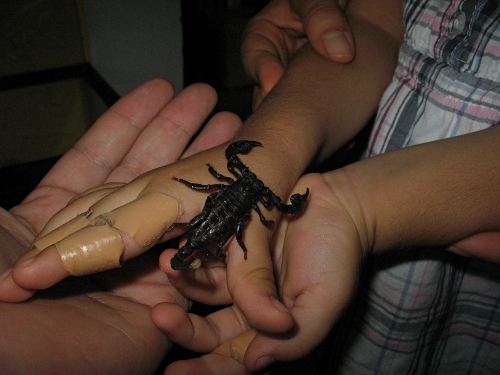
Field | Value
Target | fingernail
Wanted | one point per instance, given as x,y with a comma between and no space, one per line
28,255
453,249
337,46
279,306
26,262
263,362
4,274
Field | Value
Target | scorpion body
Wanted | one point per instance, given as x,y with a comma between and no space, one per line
226,211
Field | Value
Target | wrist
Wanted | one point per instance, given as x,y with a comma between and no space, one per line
432,194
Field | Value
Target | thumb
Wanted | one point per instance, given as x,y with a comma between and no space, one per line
326,28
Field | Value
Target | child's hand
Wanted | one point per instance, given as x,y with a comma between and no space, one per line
283,27
425,195
316,255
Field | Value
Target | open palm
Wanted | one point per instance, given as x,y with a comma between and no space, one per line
101,324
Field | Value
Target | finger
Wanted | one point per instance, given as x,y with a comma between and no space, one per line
263,62
84,208
197,333
141,221
13,291
97,153
315,285
326,28
251,281
100,242
209,364
482,245
237,347
268,41
247,282
269,73
103,147
69,214
227,358
167,135
204,285
68,220
219,129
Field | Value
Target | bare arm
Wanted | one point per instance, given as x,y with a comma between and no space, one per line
432,194
320,105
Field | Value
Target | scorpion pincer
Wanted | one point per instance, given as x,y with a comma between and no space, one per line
226,211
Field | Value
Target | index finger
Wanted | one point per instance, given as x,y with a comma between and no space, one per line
105,144
166,136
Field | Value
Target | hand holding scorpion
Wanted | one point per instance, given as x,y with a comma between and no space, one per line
108,225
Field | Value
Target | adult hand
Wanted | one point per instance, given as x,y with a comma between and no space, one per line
146,129
102,324
283,27
126,220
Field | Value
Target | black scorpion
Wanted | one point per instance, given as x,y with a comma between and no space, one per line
227,210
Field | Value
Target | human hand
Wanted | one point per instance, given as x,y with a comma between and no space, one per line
484,245
316,256
283,27
64,322
127,141
315,285
148,197
382,203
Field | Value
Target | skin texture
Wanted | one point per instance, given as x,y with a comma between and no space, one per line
77,324
257,273
335,101
343,214
373,42
283,27
246,283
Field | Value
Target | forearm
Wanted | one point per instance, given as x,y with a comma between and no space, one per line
431,194
318,106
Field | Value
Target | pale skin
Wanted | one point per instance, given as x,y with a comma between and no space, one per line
228,323
353,211
46,269
73,328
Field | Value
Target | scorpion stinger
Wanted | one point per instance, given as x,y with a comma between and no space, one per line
226,211
297,202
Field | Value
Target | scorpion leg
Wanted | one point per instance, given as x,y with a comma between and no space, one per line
263,220
195,221
238,147
219,176
196,186
239,233
265,201
298,202
239,236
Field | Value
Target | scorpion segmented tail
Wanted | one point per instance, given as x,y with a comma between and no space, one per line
238,147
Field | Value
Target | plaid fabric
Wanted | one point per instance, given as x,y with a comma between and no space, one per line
428,311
